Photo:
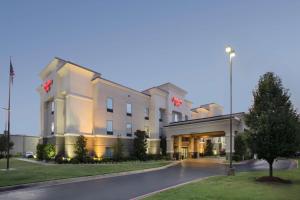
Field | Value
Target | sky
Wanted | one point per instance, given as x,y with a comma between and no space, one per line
141,44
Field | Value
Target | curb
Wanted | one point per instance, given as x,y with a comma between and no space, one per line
81,179
172,187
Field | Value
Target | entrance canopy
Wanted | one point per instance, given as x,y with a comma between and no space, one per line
197,130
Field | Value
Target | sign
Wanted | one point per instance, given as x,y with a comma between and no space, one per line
47,85
176,101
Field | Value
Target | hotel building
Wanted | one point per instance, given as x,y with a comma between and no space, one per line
77,101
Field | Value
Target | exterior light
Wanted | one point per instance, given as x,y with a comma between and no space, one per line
228,49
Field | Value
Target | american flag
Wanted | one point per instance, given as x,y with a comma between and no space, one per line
11,72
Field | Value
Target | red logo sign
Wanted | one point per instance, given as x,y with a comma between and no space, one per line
176,101
47,85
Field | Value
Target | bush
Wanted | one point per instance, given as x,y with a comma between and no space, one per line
118,150
81,152
140,145
209,148
240,147
40,151
49,152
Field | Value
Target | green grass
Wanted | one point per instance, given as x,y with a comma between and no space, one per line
242,186
30,172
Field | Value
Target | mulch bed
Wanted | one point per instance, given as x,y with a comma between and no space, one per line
268,179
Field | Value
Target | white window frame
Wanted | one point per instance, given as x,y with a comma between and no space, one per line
107,126
128,108
107,103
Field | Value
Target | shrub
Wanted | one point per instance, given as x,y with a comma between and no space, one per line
209,148
118,150
140,145
240,147
40,151
49,152
81,152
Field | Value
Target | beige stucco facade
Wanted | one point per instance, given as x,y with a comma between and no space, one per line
78,101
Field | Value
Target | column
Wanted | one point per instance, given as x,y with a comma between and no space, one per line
196,147
170,146
191,147
179,146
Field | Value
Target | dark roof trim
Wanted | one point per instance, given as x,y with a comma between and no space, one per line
207,119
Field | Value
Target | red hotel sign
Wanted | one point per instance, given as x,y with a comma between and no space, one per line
47,85
176,101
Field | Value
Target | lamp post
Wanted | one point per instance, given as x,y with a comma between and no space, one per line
231,53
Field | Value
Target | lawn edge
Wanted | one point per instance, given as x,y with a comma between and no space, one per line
81,178
173,187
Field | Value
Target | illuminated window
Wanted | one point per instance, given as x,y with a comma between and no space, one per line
146,113
129,129
109,104
128,109
109,127
52,128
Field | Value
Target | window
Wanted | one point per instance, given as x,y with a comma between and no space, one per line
160,115
128,109
147,130
52,107
161,131
146,113
176,116
109,127
52,128
109,104
129,129
186,117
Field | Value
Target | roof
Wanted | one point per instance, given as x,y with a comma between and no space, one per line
206,119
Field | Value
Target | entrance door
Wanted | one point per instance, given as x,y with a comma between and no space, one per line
184,152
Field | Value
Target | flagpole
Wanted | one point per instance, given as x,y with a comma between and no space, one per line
8,117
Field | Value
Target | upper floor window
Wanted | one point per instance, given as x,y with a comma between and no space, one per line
128,109
161,115
52,128
109,104
176,116
186,117
146,113
129,129
109,127
52,107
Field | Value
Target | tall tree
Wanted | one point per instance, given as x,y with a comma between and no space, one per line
140,145
272,120
81,151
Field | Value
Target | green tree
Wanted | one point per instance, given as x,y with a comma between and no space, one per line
118,150
49,151
208,148
240,147
40,151
3,145
163,145
140,145
81,152
272,120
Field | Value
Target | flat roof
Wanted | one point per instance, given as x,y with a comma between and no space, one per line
206,119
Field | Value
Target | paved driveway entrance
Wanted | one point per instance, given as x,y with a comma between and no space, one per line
130,186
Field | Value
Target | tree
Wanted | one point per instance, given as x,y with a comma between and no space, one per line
81,151
272,120
40,151
140,145
163,145
49,151
3,145
208,148
118,150
240,147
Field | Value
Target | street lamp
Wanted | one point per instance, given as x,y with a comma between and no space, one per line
231,53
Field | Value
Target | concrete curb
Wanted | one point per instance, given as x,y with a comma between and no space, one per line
172,187
81,179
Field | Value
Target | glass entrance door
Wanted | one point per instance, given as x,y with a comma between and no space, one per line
184,152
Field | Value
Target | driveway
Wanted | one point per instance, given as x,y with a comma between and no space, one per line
131,186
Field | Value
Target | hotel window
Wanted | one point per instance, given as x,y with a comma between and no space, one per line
52,128
176,116
147,130
129,129
128,110
109,127
160,115
146,113
52,107
186,117
109,105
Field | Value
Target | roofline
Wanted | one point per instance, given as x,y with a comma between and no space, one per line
202,106
206,119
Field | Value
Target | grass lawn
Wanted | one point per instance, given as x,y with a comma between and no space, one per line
242,186
30,172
